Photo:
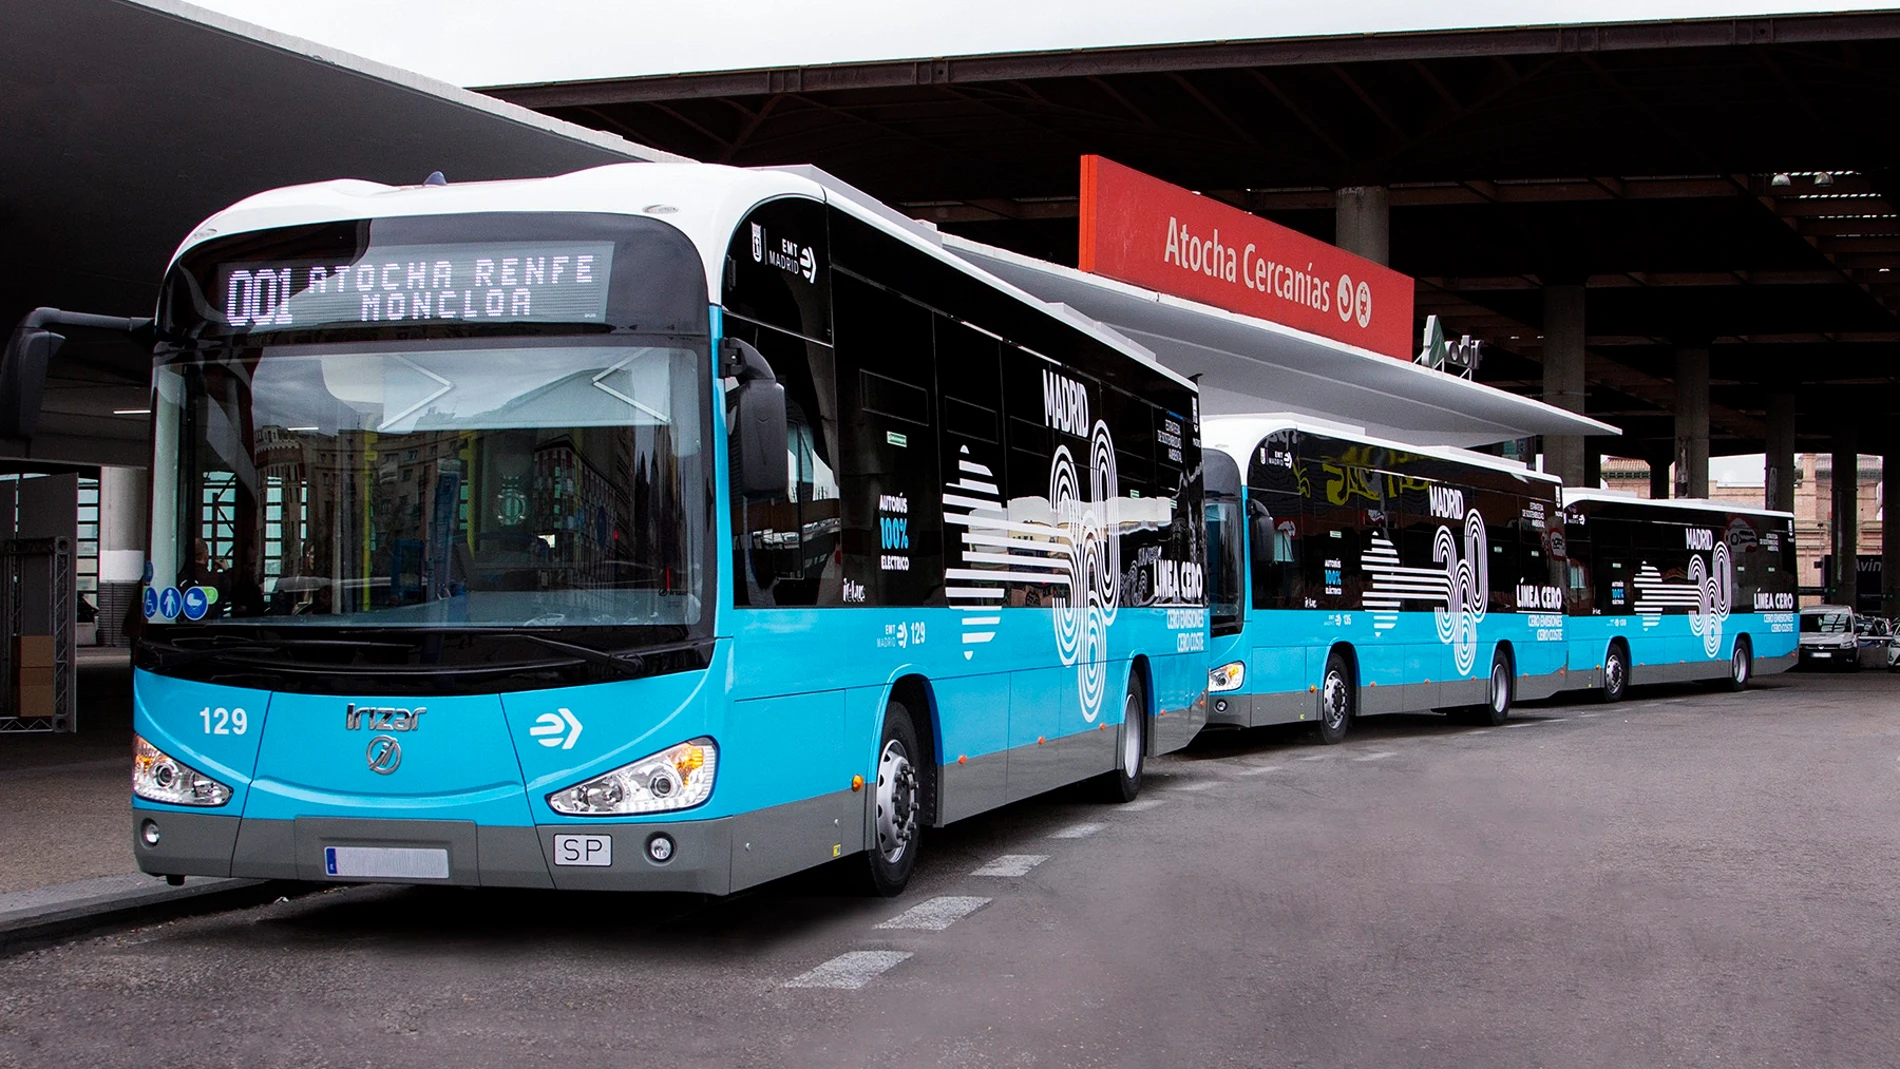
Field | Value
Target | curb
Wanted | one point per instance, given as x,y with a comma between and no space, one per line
51,914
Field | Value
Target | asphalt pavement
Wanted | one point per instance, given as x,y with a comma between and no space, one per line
1691,878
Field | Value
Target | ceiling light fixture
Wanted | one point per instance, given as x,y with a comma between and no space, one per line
1823,179
131,411
1781,180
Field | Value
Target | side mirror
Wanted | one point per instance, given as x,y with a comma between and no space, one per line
759,440
758,427
29,352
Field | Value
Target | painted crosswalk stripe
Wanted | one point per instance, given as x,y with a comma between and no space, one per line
1010,865
850,971
1316,757
1142,806
1526,723
936,914
1077,831
1259,770
1203,785
1382,755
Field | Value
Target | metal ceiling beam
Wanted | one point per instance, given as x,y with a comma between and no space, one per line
1162,59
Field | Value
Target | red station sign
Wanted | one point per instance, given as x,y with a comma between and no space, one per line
1146,232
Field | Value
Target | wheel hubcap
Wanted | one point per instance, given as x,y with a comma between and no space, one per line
1335,701
1741,667
897,802
1613,675
1500,692
1131,738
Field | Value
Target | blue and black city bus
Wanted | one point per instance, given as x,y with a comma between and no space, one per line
1354,576
657,526
1661,591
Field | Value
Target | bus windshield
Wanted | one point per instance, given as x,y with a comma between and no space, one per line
1225,534
1825,623
532,483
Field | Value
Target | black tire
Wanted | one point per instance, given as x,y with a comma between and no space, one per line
1131,745
1616,674
1338,700
1500,689
897,794
1741,664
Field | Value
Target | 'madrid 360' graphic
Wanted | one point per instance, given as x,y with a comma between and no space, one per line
1708,592
1457,588
1063,544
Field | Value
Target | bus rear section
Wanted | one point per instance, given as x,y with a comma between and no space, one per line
1357,576
656,527
1675,590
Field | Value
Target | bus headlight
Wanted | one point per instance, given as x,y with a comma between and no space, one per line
1227,677
678,777
160,777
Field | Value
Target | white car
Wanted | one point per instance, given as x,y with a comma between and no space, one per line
1834,636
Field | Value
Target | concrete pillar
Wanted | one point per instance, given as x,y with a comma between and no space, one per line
123,500
1658,478
1563,377
1889,533
1363,222
1844,515
1592,464
1778,465
1692,422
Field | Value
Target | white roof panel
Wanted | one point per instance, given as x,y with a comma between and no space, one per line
1249,365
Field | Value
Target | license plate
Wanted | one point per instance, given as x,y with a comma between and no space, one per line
390,862
1820,653
591,850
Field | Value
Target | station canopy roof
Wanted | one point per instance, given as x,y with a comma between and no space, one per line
1729,183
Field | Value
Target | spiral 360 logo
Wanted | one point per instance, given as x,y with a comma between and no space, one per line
1467,587
1715,593
1084,613
1706,593
1062,546
1456,588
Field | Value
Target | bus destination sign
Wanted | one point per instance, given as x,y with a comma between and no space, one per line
515,282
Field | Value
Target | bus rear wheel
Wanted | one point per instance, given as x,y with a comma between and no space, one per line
1338,698
1741,665
1501,687
1124,783
897,799
1616,674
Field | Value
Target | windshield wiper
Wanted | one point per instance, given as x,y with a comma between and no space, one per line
628,662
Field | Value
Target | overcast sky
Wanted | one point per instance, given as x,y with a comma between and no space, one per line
498,42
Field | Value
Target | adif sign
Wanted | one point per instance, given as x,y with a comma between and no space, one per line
1148,233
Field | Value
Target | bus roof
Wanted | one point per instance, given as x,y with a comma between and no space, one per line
1700,504
704,201
1238,435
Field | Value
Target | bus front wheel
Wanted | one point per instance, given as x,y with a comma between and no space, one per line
1122,784
897,801
1338,694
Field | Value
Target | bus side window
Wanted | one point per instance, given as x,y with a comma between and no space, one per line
1273,526
787,547
891,480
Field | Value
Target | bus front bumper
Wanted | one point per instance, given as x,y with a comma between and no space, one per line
603,857
1231,709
